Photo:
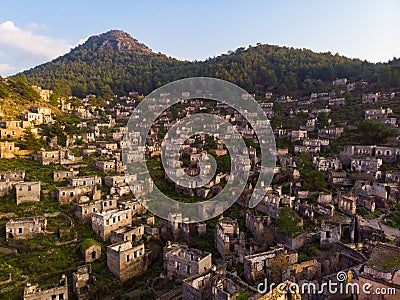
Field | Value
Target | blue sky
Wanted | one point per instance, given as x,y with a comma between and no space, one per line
33,32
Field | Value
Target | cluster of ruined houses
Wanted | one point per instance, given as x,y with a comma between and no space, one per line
117,218
25,191
14,129
81,279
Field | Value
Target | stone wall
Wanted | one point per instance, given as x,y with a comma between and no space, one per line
92,253
17,175
80,281
181,262
256,265
27,191
128,233
25,228
58,292
104,223
126,261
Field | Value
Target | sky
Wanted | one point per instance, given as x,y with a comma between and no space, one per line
34,32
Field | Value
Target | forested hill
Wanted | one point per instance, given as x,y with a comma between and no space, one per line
17,95
115,62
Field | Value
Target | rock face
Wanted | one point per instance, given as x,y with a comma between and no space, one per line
117,40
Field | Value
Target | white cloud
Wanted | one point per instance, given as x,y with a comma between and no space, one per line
82,41
13,37
6,69
36,26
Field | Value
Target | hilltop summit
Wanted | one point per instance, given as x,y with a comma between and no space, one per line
116,40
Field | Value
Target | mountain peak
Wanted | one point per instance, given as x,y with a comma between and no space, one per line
117,40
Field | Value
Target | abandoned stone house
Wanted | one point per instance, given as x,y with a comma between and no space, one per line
337,102
338,178
91,250
123,190
256,266
181,262
310,124
216,284
330,233
80,282
89,151
226,236
315,142
141,188
128,233
110,154
339,82
103,223
78,187
67,194
84,211
297,135
367,233
8,149
199,286
392,176
347,204
367,201
330,132
13,130
307,270
8,179
34,118
304,210
118,180
5,188
387,154
258,225
324,198
382,270
109,166
63,175
180,229
25,228
134,155
377,113
108,146
302,148
27,191
370,97
392,122
56,292
269,204
326,211
125,260
55,157
134,205
327,164
85,181
45,111
17,175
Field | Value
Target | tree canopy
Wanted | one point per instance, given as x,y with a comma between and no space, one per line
29,141
311,179
374,132
288,221
98,68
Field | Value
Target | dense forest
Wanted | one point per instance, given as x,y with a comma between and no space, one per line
114,62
